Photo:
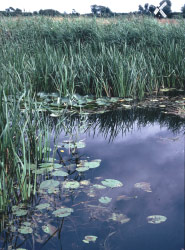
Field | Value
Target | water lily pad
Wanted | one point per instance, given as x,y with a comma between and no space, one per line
25,230
92,164
98,186
145,186
112,183
89,238
156,219
82,169
49,229
20,212
119,218
80,144
57,165
53,190
48,184
59,173
42,170
85,182
105,199
46,165
43,206
71,184
63,212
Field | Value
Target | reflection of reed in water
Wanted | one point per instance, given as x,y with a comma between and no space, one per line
110,124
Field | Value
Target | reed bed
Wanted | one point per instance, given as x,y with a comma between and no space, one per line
119,58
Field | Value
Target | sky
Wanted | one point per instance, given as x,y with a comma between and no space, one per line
83,6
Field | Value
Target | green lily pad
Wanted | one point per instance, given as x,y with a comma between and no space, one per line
112,183
89,238
42,170
85,182
48,184
20,212
46,165
56,165
53,190
156,219
92,164
71,184
119,218
82,169
98,186
145,186
63,212
79,144
105,199
59,173
43,206
25,230
49,229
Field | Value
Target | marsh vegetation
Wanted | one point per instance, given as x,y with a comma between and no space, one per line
65,77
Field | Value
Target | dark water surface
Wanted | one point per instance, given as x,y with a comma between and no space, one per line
133,148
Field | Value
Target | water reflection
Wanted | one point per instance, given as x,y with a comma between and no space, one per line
134,146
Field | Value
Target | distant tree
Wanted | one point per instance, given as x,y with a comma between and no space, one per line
18,11
74,13
100,10
144,10
167,9
183,10
152,8
10,9
94,9
49,12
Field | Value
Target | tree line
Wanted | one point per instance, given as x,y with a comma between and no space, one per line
100,11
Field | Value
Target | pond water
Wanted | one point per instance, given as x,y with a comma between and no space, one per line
143,152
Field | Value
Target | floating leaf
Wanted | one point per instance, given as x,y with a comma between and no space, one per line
126,106
105,199
112,183
25,230
63,212
46,165
57,165
20,212
71,184
92,164
98,186
89,238
85,182
82,169
119,218
145,186
48,184
59,173
49,229
80,144
156,219
43,206
42,170
53,190
125,197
